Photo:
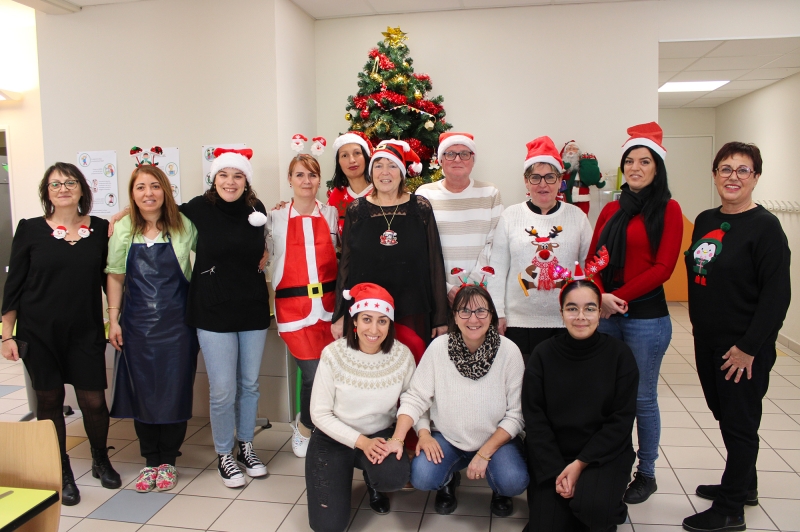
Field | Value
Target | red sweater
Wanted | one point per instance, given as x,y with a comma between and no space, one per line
643,272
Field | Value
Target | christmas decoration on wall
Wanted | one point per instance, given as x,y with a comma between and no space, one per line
582,172
393,103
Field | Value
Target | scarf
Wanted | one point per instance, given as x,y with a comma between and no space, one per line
473,365
615,233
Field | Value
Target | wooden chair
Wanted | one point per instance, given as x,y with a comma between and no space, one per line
30,458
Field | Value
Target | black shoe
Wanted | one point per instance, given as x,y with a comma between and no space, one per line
502,506
710,492
711,520
446,502
70,496
101,468
250,460
378,501
640,489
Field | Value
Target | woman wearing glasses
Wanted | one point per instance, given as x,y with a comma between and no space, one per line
535,243
54,295
642,233
468,383
739,292
580,451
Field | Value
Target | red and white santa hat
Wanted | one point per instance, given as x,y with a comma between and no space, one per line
565,147
400,153
370,296
353,137
543,150
650,135
449,139
231,158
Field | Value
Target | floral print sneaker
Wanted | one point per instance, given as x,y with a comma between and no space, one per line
146,481
167,477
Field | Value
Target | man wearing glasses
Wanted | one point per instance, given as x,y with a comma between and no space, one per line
466,212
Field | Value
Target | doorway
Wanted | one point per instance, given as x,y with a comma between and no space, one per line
6,221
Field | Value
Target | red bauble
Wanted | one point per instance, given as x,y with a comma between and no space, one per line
365,114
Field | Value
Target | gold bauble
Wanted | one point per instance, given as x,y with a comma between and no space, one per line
376,77
417,95
400,79
428,125
405,64
348,117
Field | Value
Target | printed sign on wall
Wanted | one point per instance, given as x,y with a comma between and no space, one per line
100,170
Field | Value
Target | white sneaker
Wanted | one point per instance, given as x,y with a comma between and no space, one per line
299,442
249,459
230,473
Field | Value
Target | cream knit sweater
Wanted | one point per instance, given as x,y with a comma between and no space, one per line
355,393
465,411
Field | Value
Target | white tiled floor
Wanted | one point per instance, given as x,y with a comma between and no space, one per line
691,453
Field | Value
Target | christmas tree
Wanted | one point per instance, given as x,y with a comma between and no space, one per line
391,104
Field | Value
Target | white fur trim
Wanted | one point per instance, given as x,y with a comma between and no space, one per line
452,141
232,160
350,138
416,168
374,305
543,159
660,150
396,142
346,295
257,219
391,157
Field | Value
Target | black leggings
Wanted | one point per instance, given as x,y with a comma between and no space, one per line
309,369
329,478
50,405
160,443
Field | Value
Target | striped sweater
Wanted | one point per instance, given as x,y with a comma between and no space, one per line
466,222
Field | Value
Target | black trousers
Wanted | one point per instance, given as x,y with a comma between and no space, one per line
309,369
160,444
527,338
597,505
737,408
329,478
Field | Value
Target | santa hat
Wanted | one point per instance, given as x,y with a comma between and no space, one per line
451,139
649,135
353,137
369,296
230,158
593,266
400,153
565,147
715,236
543,150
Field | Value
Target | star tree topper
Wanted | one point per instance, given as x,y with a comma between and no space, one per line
394,36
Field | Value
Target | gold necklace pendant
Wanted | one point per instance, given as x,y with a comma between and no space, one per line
389,237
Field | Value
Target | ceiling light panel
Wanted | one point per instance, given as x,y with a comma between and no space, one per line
691,86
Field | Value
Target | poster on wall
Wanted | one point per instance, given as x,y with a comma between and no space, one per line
170,162
100,170
208,157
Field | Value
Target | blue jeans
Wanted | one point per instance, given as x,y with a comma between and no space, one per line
233,362
649,340
507,472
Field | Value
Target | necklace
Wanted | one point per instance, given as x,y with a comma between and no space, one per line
61,232
389,237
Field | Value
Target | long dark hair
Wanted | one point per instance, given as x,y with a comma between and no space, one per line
340,180
249,194
69,171
656,204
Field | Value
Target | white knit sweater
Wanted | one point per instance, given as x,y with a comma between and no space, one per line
512,259
355,393
465,411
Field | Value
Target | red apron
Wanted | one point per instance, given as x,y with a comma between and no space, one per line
304,322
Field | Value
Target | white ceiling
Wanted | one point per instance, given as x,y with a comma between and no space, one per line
749,64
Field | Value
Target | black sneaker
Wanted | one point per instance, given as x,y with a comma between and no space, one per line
710,492
640,489
230,473
248,458
713,521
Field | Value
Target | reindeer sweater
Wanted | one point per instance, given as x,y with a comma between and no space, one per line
528,249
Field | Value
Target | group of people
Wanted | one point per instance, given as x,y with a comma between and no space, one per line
435,330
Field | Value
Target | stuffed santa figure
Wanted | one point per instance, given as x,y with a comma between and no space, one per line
582,171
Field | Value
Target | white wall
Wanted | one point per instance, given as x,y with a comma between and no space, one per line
21,119
688,122
770,118
169,72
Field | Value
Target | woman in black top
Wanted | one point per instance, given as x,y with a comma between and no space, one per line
739,292
53,294
391,239
579,444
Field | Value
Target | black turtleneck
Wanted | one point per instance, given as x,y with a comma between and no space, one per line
227,293
538,210
578,401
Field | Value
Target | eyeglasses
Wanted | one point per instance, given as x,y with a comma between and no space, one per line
480,313
535,179
463,155
70,184
589,312
742,172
